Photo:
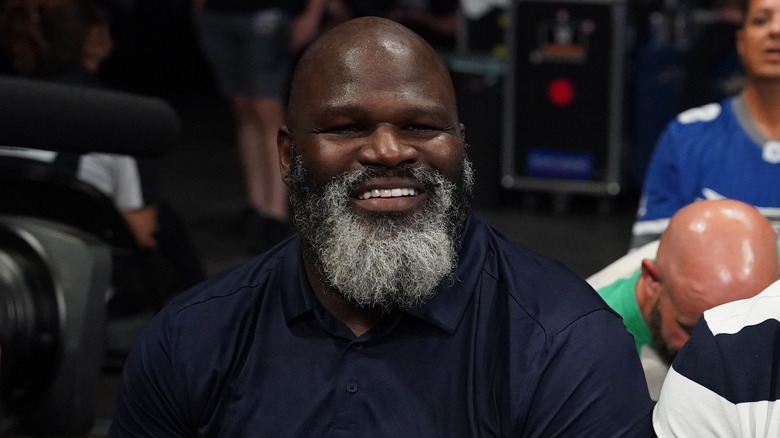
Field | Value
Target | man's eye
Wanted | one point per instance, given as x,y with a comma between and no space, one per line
419,129
345,129
759,21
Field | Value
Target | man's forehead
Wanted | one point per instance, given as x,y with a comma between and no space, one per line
373,55
386,68
369,57
368,38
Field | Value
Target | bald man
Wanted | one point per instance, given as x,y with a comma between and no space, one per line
713,252
394,312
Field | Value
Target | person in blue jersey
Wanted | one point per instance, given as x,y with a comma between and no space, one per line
394,311
712,252
726,380
721,150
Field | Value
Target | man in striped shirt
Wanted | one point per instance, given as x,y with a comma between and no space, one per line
725,382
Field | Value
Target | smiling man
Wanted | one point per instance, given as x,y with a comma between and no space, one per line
394,312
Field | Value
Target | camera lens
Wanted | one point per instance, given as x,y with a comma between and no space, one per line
29,323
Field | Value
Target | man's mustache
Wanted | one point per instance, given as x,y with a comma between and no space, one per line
423,176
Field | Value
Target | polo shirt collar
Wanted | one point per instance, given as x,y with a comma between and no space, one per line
446,308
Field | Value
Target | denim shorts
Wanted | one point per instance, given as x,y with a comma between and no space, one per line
248,52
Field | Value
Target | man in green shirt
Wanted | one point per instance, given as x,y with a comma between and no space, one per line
712,252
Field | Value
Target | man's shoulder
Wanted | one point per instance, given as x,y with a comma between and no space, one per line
705,120
235,289
714,357
626,266
539,286
620,292
732,317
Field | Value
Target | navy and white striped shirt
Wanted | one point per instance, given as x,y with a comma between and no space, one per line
725,382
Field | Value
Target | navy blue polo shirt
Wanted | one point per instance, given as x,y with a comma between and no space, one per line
514,345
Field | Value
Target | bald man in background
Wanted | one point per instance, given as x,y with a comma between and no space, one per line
713,252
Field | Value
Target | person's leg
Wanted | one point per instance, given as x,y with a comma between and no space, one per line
255,77
269,115
267,65
257,122
248,141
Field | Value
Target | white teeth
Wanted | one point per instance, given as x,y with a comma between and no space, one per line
387,193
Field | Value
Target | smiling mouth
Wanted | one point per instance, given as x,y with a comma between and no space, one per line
388,193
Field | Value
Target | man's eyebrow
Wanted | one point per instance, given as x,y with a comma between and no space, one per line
345,108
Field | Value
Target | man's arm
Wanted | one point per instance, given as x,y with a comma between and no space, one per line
593,385
687,409
149,402
306,25
143,224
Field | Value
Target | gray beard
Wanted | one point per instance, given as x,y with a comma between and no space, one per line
381,261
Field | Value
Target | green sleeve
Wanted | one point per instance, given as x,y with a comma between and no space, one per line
620,296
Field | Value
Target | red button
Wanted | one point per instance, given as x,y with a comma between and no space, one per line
560,92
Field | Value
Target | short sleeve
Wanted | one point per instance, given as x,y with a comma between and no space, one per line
150,401
687,408
115,175
593,384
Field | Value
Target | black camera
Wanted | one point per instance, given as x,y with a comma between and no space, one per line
53,279
58,237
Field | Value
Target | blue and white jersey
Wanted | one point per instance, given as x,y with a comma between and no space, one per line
710,152
725,382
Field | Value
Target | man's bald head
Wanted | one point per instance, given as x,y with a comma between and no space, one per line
728,243
712,252
366,50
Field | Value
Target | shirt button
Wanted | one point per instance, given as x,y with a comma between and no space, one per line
352,387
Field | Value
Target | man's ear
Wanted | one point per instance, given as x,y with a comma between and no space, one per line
650,271
284,147
647,288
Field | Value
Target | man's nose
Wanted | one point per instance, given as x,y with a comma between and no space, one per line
386,146
774,25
